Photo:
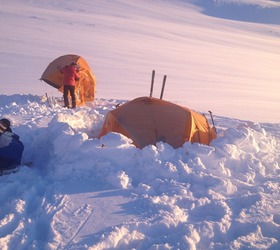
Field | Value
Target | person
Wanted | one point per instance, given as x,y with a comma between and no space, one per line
11,148
5,125
71,75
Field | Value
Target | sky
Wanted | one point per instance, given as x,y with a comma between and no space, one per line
214,59
74,190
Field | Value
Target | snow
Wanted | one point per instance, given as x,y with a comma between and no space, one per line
82,192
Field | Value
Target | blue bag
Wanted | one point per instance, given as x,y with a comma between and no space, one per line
11,149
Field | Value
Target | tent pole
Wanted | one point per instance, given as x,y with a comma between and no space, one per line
163,85
152,83
210,112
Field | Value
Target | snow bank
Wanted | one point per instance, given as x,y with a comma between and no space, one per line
86,193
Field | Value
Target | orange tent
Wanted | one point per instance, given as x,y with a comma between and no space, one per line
85,87
148,120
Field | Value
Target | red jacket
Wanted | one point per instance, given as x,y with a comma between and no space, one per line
70,75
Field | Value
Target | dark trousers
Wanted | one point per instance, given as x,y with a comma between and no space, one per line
71,89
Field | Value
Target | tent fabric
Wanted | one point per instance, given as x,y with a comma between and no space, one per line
85,88
148,120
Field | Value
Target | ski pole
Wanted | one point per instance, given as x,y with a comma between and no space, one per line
163,85
152,83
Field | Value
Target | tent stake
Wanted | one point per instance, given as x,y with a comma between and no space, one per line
163,85
48,100
152,83
210,112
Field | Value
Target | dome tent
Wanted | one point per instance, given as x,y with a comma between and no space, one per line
148,120
86,86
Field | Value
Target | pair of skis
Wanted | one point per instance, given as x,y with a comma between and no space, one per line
152,84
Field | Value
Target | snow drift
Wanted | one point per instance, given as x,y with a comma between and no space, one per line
80,194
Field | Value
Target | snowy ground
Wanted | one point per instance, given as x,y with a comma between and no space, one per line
80,194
